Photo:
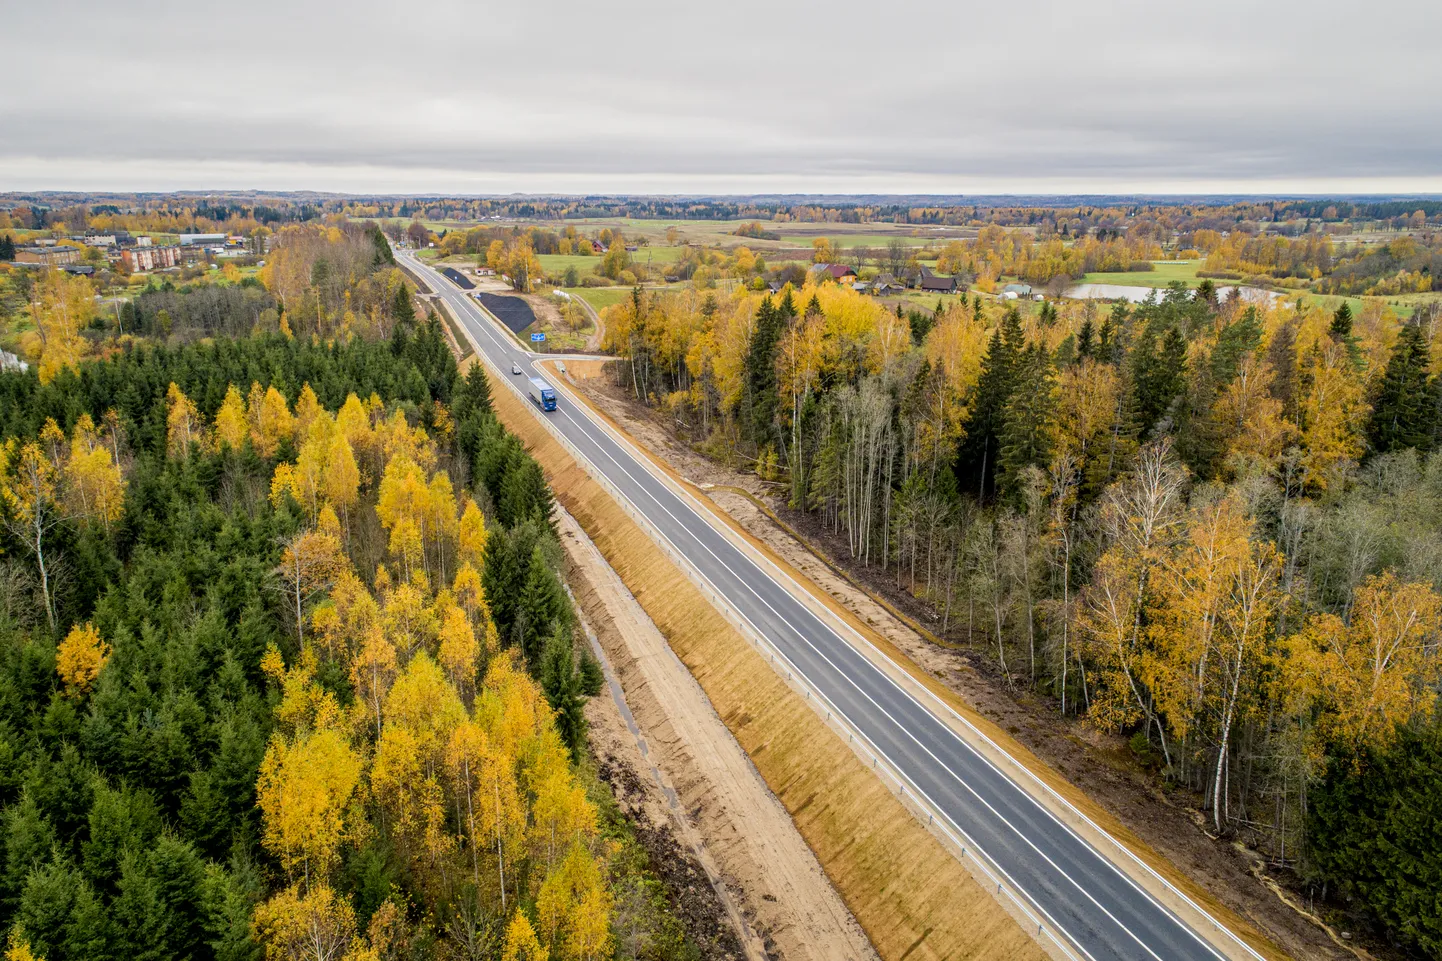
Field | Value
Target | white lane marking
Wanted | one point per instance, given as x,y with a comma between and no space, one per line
1169,915
887,714
898,726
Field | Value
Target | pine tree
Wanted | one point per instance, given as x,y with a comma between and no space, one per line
1025,438
7,248
1159,377
976,463
1405,408
1084,340
1341,327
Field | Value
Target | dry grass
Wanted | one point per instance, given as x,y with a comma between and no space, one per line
913,897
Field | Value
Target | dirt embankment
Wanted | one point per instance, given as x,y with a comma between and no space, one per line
1221,875
912,898
687,785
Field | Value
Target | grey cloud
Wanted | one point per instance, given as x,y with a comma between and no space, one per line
843,96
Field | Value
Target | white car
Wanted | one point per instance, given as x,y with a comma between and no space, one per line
515,367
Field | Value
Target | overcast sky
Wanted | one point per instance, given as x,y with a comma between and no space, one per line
952,96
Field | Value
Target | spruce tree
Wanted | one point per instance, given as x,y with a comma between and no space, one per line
540,608
1404,411
475,393
402,310
562,684
1341,327
976,461
760,369
1159,377
7,248
1024,439
383,255
1282,358
1084,340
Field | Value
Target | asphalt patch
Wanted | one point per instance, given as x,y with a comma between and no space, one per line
514,312
458,278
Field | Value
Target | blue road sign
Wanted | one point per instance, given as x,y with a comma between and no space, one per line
537,338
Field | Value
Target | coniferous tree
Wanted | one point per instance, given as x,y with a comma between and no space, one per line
1374,824
1085,340
1159,376
383,256
976,464
562,684
402,310
542,606
761,395
1341,327
1025,438
1405,408
7,248
1282,358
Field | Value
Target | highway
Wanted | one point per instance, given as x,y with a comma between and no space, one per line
1098,910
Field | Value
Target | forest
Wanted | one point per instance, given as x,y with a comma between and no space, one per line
287,669
1208,525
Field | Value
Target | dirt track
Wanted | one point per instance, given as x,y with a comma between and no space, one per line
721,811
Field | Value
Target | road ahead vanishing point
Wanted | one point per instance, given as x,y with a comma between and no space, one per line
1087,902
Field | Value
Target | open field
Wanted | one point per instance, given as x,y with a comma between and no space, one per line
1165,272
1403,306
600,297
586,264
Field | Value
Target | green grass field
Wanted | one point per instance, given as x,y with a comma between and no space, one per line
1162,276
556,264
600,297
1404,306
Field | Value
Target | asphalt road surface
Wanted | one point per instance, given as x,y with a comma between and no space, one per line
1100,911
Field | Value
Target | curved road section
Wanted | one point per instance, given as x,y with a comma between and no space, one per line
1100,912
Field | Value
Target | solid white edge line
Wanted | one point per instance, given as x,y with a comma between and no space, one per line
683,495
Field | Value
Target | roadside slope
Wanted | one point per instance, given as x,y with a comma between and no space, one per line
721,807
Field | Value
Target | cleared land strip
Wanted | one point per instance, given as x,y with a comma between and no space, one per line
720,804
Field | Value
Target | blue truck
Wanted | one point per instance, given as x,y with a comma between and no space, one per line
541,394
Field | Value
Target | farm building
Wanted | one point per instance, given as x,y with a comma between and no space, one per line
934,283
837,272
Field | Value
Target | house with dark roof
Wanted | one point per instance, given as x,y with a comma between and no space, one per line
936,284
886,284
